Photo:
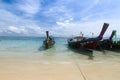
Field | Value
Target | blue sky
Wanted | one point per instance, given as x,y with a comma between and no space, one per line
60,17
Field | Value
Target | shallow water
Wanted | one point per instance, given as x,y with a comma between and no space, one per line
28,49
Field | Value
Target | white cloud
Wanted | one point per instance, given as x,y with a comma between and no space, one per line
69,20
16,29
7,18
12,23
30,7
89,6
37,29
58,12
74,28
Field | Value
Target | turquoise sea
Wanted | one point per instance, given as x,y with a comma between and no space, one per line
29,48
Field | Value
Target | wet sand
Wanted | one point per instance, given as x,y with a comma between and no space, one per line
19,68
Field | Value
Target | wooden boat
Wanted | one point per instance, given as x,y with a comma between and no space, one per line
109,43
87,43
48,42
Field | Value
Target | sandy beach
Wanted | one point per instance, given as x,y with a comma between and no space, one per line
59,39
19,68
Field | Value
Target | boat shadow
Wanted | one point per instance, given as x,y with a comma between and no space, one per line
83,52
103,49
115,50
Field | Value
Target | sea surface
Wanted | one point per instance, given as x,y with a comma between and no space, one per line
29,49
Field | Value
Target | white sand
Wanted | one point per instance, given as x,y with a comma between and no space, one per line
13,68
18,70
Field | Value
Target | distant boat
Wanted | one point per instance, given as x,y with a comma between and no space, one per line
87,43
48,42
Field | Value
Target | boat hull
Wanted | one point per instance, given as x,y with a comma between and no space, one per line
87,45
110,45
48,44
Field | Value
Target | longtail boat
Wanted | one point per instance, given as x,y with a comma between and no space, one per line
87,43
109,43
48,42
